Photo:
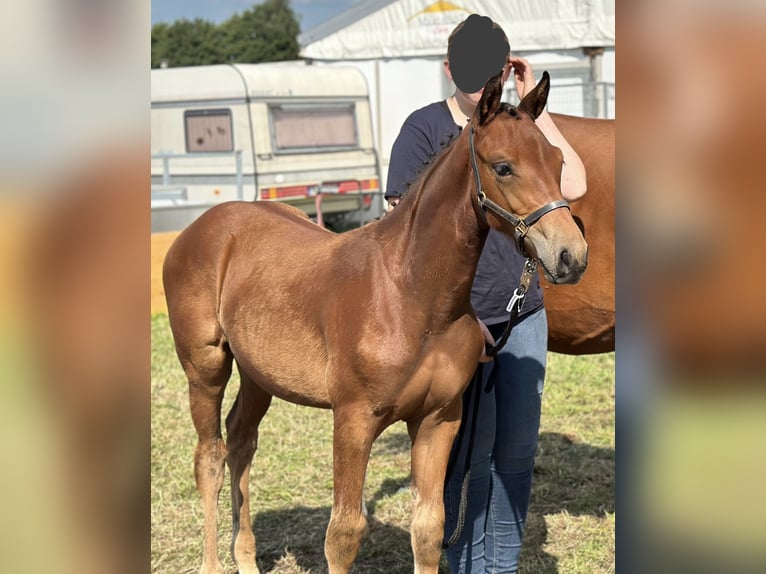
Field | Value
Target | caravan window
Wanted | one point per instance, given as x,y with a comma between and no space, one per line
299,127
208,130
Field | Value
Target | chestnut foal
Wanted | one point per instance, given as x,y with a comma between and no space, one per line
375,324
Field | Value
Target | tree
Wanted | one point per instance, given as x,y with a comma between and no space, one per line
159,44
267,32
194,43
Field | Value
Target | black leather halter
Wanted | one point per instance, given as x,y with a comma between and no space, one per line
520,225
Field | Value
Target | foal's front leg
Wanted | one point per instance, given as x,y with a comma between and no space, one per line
354,432
432,438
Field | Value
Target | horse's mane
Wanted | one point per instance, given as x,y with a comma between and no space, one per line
505,108
436,158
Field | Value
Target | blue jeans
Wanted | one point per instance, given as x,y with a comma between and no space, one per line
503,455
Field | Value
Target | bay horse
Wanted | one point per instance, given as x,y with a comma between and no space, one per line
375,324
581,318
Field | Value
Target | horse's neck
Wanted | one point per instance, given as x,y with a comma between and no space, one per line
439,236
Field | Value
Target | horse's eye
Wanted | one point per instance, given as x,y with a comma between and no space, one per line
502,169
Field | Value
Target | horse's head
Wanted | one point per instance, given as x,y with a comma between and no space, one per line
519,175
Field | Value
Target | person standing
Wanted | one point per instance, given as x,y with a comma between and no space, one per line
502,459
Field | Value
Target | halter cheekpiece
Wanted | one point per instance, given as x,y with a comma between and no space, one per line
520,225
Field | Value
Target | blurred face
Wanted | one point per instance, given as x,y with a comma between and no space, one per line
473,97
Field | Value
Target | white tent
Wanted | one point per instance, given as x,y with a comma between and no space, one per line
411,28
399,45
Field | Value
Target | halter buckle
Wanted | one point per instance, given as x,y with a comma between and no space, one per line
521,226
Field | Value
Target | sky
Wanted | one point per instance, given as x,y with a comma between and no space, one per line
309,12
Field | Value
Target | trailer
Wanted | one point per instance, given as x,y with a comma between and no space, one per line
287,131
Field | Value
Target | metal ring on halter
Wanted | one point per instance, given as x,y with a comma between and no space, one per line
520,225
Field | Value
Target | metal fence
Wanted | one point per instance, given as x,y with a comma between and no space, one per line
168,187
588,99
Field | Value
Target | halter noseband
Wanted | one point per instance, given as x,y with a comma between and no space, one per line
520,225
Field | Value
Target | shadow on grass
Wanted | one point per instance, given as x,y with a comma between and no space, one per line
393,442
574,477
299,532
569,477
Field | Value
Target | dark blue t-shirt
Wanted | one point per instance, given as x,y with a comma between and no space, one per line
424,135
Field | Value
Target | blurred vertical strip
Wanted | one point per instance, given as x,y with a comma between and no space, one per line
74,249
691,339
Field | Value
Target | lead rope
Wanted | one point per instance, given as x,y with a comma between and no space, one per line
514,308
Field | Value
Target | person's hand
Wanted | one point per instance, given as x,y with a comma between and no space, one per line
523,74
488,338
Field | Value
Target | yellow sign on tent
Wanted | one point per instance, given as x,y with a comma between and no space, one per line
438,7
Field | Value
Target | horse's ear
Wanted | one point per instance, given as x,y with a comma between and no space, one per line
490,98
534,102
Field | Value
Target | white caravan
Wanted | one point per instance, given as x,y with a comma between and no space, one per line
287,131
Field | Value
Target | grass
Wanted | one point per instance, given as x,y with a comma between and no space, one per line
570,526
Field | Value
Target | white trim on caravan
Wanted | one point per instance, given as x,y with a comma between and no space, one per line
285,131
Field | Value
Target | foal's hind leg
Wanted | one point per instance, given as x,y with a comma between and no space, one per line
353,435
208,370
432,438
242,441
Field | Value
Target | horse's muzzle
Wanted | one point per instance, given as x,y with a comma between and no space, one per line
569,268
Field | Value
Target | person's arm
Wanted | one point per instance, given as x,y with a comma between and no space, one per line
573,183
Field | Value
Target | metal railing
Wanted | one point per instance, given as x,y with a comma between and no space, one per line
167,178
588,99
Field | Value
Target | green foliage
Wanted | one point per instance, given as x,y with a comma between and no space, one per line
159,43
193,43
267,32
